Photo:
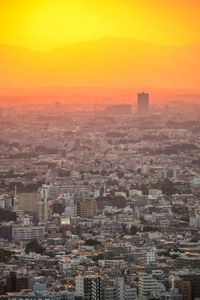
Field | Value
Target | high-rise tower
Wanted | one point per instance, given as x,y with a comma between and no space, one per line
143,103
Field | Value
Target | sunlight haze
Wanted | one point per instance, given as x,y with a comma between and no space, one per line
48,24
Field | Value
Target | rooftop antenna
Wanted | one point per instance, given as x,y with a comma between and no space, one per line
104,189
15,196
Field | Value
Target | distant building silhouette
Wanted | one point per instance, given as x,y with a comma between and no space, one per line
121,109
143,103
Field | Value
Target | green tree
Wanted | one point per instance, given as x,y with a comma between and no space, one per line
133,230
168,187
34,246
7,215
144,189
91,242
5,255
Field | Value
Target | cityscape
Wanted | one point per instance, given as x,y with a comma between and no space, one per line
102,206
99,150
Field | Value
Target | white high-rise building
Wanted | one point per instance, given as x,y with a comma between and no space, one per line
53,191
150,257
129,293
28,233
71,207
125,292
120,288
148,284
71,211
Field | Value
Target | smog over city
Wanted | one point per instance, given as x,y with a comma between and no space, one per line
99,150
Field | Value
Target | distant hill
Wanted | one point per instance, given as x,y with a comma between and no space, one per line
103,62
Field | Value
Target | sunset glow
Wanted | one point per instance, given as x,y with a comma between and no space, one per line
48,24
110,43
100,149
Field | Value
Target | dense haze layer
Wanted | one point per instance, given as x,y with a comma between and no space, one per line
103,62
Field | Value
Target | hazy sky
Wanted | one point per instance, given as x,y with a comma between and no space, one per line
48,24
109,43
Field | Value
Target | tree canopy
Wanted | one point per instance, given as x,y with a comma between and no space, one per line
34,246
7,215
91,242
5,255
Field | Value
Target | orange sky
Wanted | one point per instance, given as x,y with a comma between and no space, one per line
46,25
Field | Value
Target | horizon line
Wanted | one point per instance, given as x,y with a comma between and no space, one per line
52,49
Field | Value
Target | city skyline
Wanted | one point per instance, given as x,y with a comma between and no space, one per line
99,150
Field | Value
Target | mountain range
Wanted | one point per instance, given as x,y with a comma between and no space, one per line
108,61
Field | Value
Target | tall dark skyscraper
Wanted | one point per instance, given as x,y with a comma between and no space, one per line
143,103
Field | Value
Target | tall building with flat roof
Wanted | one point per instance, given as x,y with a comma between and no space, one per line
28,233
43,210
28,201
87,208
143,103
89,287
185,288
195,283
